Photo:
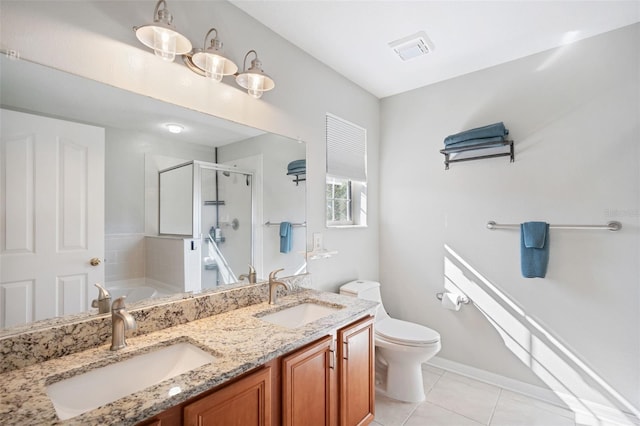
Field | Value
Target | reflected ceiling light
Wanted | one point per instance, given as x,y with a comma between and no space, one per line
254,79
210,61
174,128
161,36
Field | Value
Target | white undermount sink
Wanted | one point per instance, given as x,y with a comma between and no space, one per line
299,315
95,388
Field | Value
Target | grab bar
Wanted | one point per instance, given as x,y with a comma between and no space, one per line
295,225
611,226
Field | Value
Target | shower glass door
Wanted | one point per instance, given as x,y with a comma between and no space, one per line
225,223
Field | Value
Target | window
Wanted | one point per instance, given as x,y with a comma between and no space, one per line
346,183
339,208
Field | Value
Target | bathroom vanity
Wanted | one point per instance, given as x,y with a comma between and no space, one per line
327,382
270,373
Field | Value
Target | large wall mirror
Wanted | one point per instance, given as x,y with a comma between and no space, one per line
80,195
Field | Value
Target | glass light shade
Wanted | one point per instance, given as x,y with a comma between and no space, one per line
215,66
164,40
255,81
256,85
164,43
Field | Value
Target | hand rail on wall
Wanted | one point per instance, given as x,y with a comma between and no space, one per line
611,226
295,225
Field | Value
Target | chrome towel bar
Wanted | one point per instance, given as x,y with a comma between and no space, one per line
295,225
611,226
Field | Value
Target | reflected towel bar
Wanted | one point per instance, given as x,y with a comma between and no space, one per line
295,225
611,226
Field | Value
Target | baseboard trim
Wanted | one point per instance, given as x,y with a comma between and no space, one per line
504,382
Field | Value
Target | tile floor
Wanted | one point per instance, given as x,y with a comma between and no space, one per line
454,400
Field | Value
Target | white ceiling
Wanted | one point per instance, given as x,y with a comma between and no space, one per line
30,87
352,36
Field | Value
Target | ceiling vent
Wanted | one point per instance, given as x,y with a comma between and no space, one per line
412,46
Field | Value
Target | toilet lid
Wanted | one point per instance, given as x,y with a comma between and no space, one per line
395,330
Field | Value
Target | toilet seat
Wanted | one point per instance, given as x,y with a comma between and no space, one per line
405,333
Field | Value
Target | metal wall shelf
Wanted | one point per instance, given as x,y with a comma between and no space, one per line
480,148
297,178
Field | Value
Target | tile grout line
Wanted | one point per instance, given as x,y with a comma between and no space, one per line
449,409
452,412
493,412
425,397
411,413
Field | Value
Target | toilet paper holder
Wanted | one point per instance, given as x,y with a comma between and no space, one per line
461,299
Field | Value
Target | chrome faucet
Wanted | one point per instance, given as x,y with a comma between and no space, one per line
251,276
273,286
121,321
103,302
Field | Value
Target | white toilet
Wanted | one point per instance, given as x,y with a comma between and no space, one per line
401,347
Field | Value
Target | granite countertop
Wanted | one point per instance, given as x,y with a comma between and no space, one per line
238,339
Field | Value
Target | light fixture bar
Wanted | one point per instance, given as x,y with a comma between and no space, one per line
210,62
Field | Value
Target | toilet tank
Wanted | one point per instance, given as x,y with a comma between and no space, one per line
363,289
367,290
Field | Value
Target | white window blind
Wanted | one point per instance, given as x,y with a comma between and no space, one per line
346,149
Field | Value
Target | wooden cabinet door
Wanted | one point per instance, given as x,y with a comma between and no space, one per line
169,417
356,373
306,385
246,402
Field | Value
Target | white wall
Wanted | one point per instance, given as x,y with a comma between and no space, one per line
574,115
126,152
95,40
131,196
279,197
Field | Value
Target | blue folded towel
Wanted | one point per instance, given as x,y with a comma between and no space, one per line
534,249
472,142
489,131
298,171
285,237
297,164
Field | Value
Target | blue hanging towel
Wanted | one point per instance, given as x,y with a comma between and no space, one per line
534,249
285,237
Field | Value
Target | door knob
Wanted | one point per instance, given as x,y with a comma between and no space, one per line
95,261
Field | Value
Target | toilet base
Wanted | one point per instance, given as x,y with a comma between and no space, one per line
399,373
399,382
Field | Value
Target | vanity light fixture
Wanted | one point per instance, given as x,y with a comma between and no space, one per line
174,128
254,79
167,42
209,61
161,36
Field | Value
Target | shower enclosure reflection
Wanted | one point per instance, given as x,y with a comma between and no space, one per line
210,206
